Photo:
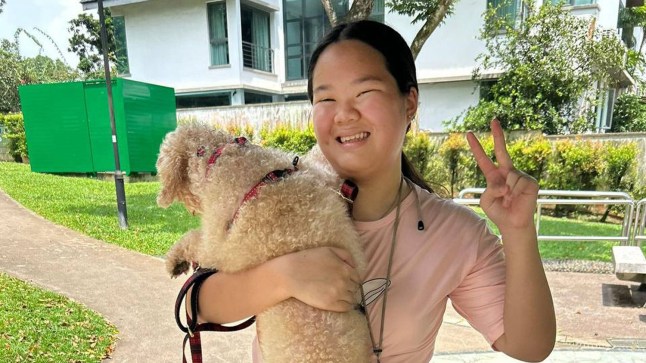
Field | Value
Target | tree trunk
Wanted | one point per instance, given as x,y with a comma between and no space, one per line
360,9
329,10
429,27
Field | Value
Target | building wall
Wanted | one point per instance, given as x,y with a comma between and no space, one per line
444,101
452,48
168,44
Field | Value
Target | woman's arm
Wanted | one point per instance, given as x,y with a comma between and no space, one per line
510,202
529,321
321,277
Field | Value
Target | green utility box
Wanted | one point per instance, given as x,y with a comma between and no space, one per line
67,125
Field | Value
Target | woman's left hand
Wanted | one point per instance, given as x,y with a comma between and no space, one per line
510,197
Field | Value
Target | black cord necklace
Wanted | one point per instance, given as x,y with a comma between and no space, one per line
377,348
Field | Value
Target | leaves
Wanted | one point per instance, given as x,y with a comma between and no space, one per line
550,62
86,43
629,114
431,12
40,326
16,70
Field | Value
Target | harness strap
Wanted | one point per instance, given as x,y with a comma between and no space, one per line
192,328
271,177
349,191
240,141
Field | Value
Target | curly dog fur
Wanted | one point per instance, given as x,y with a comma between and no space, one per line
300,211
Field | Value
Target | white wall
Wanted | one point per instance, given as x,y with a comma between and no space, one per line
443,101
453,47
608,13
168,44
448,54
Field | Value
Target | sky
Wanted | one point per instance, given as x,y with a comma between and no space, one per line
51,16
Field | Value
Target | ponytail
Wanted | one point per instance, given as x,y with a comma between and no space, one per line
408,170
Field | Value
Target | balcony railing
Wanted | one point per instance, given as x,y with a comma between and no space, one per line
258,57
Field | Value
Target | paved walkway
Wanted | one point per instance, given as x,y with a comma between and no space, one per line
600,318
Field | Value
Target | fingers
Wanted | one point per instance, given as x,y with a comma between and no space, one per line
499,145
519,184
484,163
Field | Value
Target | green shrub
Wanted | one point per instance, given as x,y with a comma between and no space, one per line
245,130
472,174
629,114
14,130
531,155
575,166
454,152
476,118
618,165
419,149
424,154
289,139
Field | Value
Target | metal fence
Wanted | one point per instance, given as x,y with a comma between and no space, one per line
569,197
257,57
640,222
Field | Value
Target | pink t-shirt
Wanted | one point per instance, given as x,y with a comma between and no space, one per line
455,256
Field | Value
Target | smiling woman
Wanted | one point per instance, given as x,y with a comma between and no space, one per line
42,326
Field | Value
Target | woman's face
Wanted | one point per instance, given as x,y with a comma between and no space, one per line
360,116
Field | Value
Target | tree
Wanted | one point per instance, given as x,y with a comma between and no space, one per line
629,114
360,9
16,70
2,2
86,43
431,12
550,63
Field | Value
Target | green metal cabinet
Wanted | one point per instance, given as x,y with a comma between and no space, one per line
67,125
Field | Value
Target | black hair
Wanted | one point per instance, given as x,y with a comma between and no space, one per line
399,63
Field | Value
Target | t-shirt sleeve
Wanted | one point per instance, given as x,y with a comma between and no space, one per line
480,296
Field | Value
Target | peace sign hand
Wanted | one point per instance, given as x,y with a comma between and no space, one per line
510,197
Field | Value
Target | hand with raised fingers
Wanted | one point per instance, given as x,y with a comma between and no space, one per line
510,197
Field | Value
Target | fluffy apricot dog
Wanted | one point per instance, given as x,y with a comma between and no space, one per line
255,205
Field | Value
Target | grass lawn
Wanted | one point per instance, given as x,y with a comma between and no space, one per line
40,326
89,206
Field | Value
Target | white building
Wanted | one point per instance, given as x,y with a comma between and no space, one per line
233,52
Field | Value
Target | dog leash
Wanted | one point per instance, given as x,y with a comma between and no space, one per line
192,328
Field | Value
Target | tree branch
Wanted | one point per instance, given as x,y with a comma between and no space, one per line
430,25
329,10
360,9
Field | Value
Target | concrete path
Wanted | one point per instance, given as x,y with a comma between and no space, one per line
130,289
596,313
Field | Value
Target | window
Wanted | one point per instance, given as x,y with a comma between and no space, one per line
509,10
378,13
203,100
305,24
121,45
296,97
251,97
575,2
256,51
217,17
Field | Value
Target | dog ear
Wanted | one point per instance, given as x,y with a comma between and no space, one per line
178,147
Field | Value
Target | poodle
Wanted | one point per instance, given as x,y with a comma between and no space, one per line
255,204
